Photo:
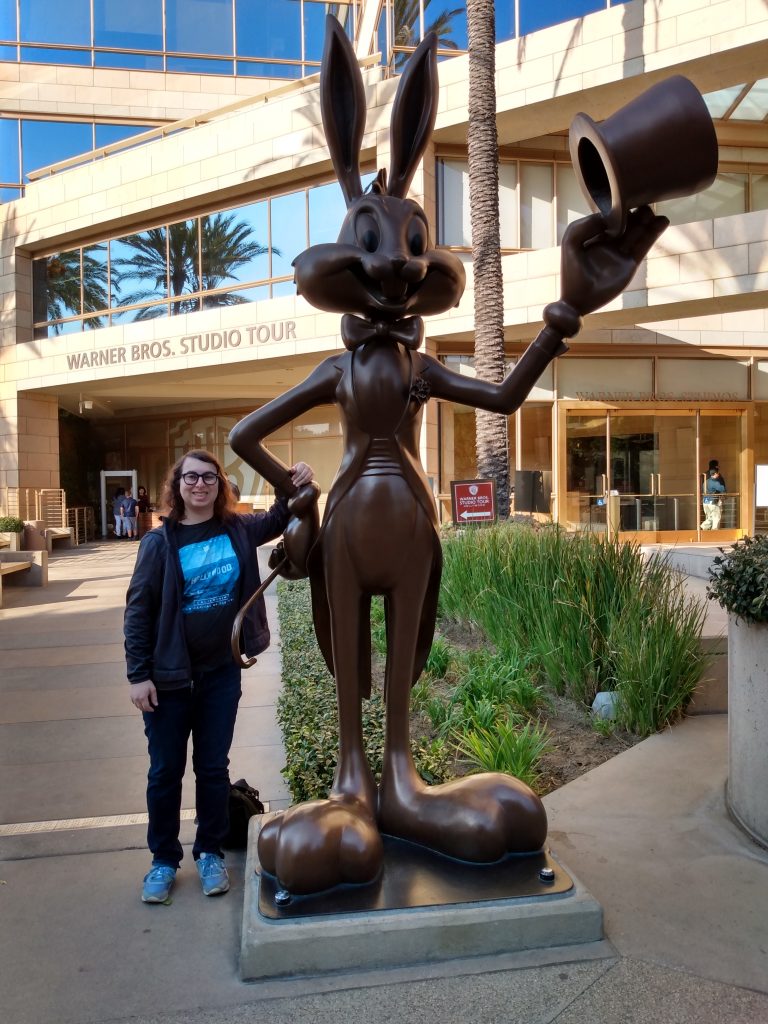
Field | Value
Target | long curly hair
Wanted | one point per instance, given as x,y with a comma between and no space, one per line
225,504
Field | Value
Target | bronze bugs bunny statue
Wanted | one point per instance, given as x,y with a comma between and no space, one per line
380,531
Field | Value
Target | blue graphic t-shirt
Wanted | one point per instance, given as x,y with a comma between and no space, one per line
211,594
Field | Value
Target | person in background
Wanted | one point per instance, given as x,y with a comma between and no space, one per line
130,522
712,500
117,511
715,464
192,575
142,500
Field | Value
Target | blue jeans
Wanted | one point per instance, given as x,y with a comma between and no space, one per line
206,710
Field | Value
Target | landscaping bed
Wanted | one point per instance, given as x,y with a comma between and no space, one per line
533,623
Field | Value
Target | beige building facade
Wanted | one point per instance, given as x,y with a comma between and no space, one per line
131,332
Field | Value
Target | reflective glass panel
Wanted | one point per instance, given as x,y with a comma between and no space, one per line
138,269
754,106
8,19
536,214
327,210
571,203
9,150
137,25
721,101
281,288
7,195
264,69
759,192
725,196
139,61
509,228
235,246
106,134
536,14
271,28
47,142
447,18
505,20
314,26
56,286
289,231
95,280
200,26
184,257
236,296
51,21
7,53
199,65
453,215
45,55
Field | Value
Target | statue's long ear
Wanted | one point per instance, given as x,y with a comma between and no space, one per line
413,115
342,104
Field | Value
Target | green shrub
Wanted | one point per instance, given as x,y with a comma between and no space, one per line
576,604
508,747
11,524
739,579
307,710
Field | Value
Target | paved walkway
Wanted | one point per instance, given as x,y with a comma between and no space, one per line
685,894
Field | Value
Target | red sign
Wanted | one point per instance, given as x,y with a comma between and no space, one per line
473,501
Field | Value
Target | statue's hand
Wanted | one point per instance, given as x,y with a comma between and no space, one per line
596,268
304,500
299,534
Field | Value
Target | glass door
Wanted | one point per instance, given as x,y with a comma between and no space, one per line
652,471
586,467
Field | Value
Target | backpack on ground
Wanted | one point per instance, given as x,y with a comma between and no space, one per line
243,804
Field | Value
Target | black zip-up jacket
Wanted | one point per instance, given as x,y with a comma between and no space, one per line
155,647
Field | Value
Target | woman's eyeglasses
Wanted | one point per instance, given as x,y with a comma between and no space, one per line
190,478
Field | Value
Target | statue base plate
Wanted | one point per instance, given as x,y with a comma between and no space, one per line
442,910
416,877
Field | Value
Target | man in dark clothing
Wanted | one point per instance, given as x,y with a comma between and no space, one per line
712,501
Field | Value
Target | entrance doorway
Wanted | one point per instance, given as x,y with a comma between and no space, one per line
641,472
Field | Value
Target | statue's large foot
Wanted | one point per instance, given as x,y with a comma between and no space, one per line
323,843
481,818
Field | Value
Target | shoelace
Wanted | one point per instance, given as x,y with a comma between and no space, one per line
161,873
211,865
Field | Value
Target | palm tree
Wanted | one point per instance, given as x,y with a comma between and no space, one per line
406,27
227,246
491,442
61,290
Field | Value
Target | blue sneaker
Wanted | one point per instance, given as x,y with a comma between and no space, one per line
158,883
213,875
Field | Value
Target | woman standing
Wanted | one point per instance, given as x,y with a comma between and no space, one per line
191,576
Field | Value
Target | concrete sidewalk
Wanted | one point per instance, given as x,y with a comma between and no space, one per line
685,895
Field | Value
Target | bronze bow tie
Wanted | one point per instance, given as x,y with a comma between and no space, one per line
355,331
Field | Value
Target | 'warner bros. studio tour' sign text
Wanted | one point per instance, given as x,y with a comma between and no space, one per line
186,345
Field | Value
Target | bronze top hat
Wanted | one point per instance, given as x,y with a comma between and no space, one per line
661,145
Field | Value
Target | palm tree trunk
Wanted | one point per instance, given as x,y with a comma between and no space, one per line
490,429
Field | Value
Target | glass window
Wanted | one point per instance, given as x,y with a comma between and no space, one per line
200,26
47,142
448,19
8,19
536,206
454,226
725,196
7,195
56,286
505,21
571,203
509,229
138,271
759,192
263,69
282,288
536,14
289,231
184,257
199,65
234,247
95,280
319,422
314,26
106,134
134,26
327,210
271,28
138,61
9,150
50,55
51,21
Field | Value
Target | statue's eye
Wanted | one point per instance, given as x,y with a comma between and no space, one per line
367,232
417,236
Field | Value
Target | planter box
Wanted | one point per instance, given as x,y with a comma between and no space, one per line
747,791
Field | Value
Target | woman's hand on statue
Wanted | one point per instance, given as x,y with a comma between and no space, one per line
144,695
301,474
597,268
